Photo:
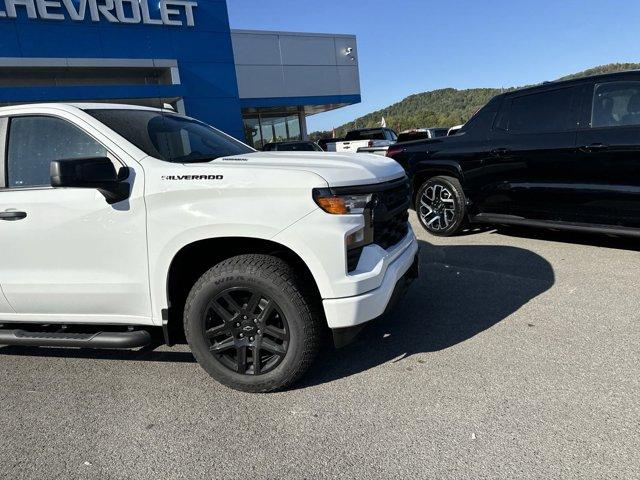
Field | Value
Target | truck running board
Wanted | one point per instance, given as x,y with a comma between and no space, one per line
98,340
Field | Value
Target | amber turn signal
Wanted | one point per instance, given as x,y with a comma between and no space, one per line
333,205
341,204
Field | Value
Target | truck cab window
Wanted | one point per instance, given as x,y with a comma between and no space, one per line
35,141
545,112
616,104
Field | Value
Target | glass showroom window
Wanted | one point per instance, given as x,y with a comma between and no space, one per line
293,127
252,133
269,127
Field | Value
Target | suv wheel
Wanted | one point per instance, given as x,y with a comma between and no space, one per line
250,326
441,206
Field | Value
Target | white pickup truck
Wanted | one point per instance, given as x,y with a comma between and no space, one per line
122,226
367,138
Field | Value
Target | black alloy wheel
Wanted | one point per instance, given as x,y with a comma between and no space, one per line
246,330
253,324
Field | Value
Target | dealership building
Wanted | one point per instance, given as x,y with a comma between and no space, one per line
258,86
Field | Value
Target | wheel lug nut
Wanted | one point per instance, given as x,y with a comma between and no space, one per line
255,320
259,332
237,324
251,339
241,335
245,317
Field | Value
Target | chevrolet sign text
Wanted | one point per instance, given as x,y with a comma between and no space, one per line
171,12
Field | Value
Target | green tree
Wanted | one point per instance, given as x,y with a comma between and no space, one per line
445,107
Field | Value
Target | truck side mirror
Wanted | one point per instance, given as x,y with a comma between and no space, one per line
97,172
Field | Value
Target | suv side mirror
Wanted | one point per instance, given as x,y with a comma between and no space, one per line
98,173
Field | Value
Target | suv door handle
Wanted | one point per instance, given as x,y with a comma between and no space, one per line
499,152
594,147
12,215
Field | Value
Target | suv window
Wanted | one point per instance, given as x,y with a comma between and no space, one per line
35,141
544,112
616,104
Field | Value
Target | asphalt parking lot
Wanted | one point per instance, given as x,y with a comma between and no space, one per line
512,357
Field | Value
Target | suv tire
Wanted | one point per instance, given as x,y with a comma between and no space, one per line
441,206
250,326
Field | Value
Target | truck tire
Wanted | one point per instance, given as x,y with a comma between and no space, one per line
441,206
250,326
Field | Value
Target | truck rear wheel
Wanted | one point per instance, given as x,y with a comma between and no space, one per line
250,326
441,206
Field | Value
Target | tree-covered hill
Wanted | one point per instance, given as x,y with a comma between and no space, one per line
445,107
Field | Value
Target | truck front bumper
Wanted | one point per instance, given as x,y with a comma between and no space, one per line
353,311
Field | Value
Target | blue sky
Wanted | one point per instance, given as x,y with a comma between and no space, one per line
411,46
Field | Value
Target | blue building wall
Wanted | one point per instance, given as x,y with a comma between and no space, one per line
204,53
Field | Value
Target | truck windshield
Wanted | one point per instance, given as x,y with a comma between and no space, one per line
170,137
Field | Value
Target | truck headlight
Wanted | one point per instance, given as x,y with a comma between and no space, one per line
349,203
341,204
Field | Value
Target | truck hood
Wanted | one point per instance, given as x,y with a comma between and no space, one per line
338,169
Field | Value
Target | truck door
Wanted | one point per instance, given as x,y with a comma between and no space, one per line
66,254
534,153
609,152
5,307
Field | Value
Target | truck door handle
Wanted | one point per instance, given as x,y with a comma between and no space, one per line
594,147
12,215
499,152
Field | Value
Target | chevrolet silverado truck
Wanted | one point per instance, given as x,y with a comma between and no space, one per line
122,225
367,140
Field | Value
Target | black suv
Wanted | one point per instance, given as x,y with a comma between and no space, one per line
563,154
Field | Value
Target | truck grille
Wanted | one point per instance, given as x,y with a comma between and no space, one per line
391,214
387,234
389,221
353,257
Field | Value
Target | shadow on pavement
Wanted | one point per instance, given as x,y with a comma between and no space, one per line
147,354
475,229
579,238
462,291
